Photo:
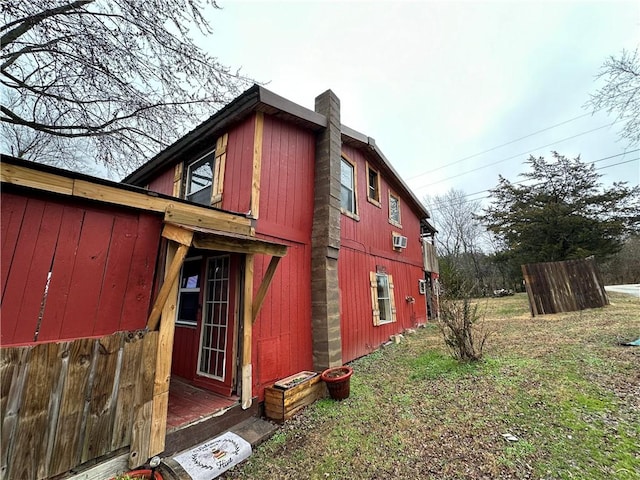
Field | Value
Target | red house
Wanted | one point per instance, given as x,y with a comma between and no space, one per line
269,240
354,234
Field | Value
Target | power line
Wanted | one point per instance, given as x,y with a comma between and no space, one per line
435,209
619,163
521,138
500,146
517,155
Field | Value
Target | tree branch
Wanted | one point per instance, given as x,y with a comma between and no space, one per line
26,24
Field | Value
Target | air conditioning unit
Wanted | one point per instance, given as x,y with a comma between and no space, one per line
399,241
422,286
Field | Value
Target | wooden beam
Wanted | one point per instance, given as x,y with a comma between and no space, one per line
247,332
164,356
183,213
118,196
28,177
177,180
238,245
192,215
178,234
170,278
257,165
264,287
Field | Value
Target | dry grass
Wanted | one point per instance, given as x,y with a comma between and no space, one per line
560,383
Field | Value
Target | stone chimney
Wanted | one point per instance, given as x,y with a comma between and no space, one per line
325,238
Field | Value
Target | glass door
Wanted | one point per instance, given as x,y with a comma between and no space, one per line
215,355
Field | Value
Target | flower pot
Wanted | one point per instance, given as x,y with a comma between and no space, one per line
338,381
144,474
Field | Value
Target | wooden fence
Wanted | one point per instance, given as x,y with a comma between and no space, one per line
64,404
564,286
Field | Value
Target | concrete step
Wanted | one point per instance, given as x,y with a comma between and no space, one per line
254,430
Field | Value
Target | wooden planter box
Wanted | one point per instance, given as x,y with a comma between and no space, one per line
281,403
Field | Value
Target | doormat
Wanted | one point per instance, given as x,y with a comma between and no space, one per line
208,460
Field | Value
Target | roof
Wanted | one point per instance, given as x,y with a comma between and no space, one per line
259,99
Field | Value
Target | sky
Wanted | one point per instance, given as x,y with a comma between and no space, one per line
454,93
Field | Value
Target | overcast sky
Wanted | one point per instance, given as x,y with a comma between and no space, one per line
438,82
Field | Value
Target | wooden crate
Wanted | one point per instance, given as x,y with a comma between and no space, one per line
281,404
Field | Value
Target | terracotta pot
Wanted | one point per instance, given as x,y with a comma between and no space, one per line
338,381
144,474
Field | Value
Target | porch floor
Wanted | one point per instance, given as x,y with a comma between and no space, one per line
188,404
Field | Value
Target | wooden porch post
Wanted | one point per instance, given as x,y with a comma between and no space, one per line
247,324
151,421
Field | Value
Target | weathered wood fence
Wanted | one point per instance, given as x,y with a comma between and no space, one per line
63,404
566,286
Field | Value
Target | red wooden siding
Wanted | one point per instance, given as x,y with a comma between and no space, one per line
185,340
359,335
365,244
286,182
102,264
163,182
374,229
236,195
282,332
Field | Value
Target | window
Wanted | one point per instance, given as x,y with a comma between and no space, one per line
382,298
189,292
347,186
394,210
373,186
200,180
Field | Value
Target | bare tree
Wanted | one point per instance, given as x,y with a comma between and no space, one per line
454,214
118,78
621,93
459,241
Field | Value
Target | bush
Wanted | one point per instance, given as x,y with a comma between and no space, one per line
462,328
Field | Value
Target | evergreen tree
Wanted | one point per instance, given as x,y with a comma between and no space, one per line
561,212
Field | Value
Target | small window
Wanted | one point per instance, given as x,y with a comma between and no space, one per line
200,180
382,298
373,186
189,292
394,210
347,187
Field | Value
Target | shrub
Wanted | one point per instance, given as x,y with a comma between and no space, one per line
462,328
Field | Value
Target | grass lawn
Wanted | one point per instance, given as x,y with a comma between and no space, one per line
559,383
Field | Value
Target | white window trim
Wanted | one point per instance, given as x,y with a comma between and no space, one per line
370,199
393,221
346,212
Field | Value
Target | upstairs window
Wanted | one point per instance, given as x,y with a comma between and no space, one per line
200,180
394,210
347,187
373,186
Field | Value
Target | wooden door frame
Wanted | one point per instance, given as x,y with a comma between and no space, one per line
231,352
